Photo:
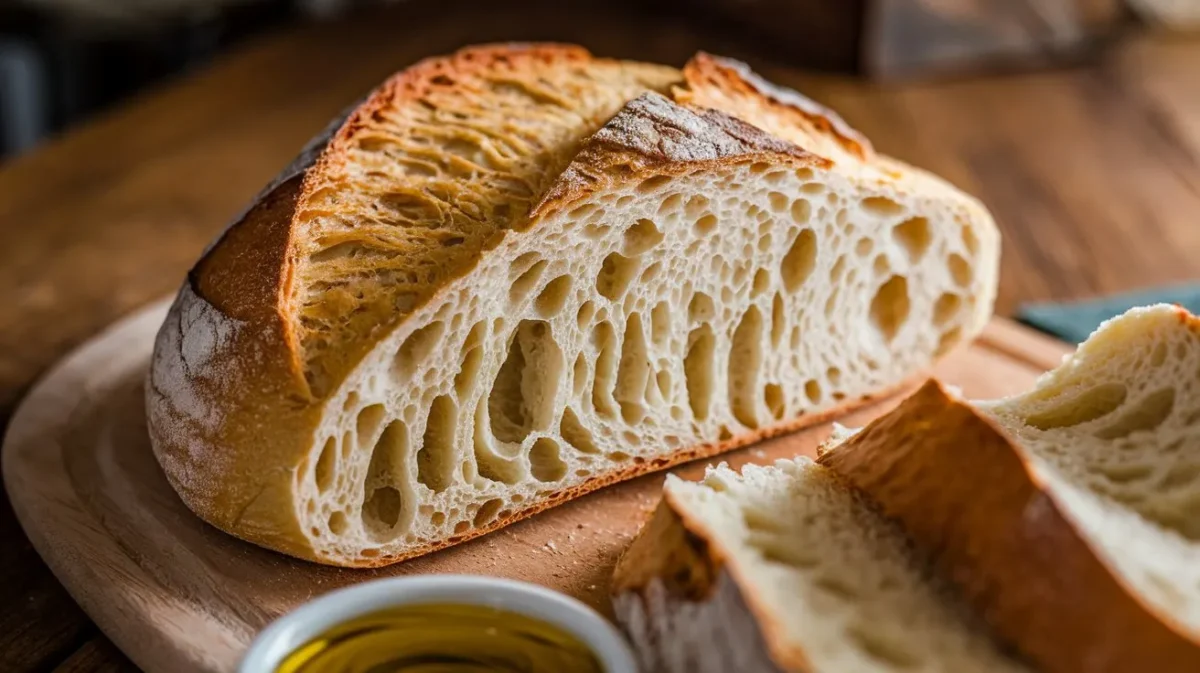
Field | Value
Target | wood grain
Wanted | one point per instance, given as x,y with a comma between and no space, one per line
179,596
1093,174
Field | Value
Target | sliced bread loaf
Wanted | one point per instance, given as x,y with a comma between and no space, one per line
519,273
1069,515
788,568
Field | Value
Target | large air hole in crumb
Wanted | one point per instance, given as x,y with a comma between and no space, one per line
775,400
914,236
545,463
660,324
890,307
801,212
745,361
522,396
526,281
1090,405
1147,414
587,311
701,308
553,296
383,509
651,273
654,183
970,240
487,512
800,260
367,424
616,272
575,434
326,465
698,368
662,382
632,372
604,341
468,371
839,268
812,390
946,308
579,375
706,224
960,270
641,236
762,282
490,464
437,457
778,320
882,206
881,265
417,347
338,523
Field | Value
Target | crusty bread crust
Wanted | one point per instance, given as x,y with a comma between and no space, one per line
998,531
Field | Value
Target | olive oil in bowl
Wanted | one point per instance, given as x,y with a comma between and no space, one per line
443,638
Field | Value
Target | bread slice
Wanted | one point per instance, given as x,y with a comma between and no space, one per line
788,568
1069,515
519,273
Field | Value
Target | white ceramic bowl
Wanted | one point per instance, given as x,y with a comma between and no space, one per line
289,632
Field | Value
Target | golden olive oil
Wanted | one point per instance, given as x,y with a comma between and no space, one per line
443,638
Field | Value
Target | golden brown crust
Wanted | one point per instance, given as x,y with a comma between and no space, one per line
707,72
652,137
963,490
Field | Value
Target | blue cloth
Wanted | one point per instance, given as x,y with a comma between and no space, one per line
1075,321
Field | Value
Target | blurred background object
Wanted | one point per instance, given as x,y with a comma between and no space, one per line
62,61
1175,15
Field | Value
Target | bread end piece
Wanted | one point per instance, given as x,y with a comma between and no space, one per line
964,490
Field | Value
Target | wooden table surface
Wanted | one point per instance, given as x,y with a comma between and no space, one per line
1092,172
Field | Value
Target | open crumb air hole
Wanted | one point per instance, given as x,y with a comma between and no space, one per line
522,396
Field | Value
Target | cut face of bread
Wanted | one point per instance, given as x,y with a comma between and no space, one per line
792,557
1069,513
519,274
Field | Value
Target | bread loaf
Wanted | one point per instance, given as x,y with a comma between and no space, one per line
1070,514
789,569
519,273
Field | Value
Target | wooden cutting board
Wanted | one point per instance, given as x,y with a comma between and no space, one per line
179,596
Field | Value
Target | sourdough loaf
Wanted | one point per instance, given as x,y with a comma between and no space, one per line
789,569
1068,515
519,273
